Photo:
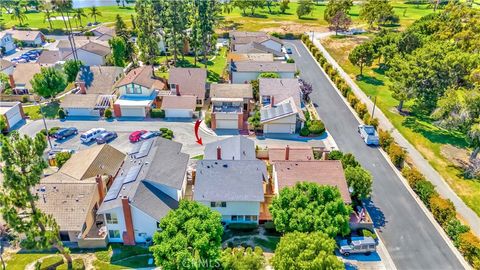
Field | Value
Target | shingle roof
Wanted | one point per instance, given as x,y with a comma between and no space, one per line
49,57
24,35
280,89
191,81
142,76
224,90
179,102
230,180
24,72
96,48
322,172
233,148
240,37
4,64
237,57
79,101
255,47
99,79
251,66
295,153
153,201
104,30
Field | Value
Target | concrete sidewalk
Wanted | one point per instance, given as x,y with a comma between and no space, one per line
421,163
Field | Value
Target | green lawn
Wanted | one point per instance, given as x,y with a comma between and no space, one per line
50,110
417,129
19,261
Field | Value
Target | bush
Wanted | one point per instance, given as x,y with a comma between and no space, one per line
77,264
25,99
385,139
290,60
368,233
157,113
304,131
269,225
61,158
352,99
374,122
348,160
51,262
397,155
344,89
208,119
314,50
61,113
469,246
454,228
413,176
163,130
307,115
425,190
366,118
51,131
304,38
243,226
361,109
442,209
335,155
316,127
108,113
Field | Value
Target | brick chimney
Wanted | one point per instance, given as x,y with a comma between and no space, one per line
287,152
100,187
177,89
83,89
219,153
12,81
128,235
272,101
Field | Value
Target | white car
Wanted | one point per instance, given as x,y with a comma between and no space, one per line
91,134
369,134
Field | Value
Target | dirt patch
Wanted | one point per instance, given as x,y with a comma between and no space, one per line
456,155
293,27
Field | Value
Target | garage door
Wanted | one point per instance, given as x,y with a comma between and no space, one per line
227,124
82,112
178,113
133,111
13,116
279,128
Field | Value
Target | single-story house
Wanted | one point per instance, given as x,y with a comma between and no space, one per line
246,71
239,39
86,105
283,117
91,54
30,38
21,77
257,48
259,57
145,190
188,81
234,188
7,45
103,33
179,106
12,113
233,148
292,153
98,79
231,104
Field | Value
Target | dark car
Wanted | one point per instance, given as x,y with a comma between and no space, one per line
289,50
150,134
105,137
65,132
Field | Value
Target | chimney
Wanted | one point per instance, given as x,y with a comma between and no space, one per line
272,101
177,89
287,152
100,187
219,153
128,235
83,89
12,81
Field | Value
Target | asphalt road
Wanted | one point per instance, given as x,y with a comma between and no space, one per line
409,236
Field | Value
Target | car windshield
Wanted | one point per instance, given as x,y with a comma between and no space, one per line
369,130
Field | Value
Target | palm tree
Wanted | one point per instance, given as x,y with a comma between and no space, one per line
78,14
47,9
94,12
18,14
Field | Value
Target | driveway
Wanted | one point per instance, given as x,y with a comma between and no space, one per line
409,236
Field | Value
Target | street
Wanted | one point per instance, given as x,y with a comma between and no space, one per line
408,234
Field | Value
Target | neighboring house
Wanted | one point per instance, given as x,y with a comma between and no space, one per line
90,105
21,77
179,106
98,79
12,113
50,58
151,182
91,54
6,67
234,188
291,153
103,33
257,48
239,40
188,81
231,104
74,194
7,45
233,148
258,57
273,91
246,71
323,172
28,38
283,117
138,92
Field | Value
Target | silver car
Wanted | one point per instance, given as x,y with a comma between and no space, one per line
359,244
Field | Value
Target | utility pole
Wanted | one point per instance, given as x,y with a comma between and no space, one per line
45,124
374,104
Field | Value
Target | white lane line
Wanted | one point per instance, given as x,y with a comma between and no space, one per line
295,47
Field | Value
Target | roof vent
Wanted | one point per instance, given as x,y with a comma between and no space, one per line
225,165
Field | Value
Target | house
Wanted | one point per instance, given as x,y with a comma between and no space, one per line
188,81
50,58
89,105
291,153
234,188
145,190
283,117
239,40
103,33
138,92
257,48
179,106
259,57
246,71
231,104
12,113
91,54
7,45
233,148
98,79
6,67
21,77
323,172
74,194
273,91
29,38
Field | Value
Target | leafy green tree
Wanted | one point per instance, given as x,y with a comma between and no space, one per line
243,5
61,158
304,251
454,228
18,14
78,14
71,69
94,12
188,236
284,6
3,124
254,120
119,51
377,11
474,139
340,22
208,15
309,207
122,31
335,155
348,160
49,82
305,7
241,258
362,56
22,168
334,6
148,38
360,180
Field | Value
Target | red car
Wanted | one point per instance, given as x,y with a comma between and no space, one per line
136,135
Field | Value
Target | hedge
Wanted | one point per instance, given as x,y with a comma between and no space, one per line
469,246
352,99
316,127
425,190
397,155
442,209
243,226
361,109
413,176
157,113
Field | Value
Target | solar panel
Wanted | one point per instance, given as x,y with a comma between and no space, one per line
132,174
144,149
114,190
135,148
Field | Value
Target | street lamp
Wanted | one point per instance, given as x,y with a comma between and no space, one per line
374,105
44,123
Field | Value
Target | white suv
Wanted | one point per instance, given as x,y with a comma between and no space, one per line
91,134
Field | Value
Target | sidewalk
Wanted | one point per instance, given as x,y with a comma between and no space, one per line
421,163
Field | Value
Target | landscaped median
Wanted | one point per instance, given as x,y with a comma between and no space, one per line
442,209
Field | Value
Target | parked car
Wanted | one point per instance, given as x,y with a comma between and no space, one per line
90,135
136,135
150,134
358,244
105,137
65,133
289,50
368,134
60,150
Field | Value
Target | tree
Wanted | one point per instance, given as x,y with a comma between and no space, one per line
147,31
241,258
334,6
362,56
474,139
208,16
306,89
71,69
271,75
119,51
360,181
122,31
305,7
335,155
189,236
78,14
48,14
348,160
23,166
340,22
242,5
61,158
18,14
309,207
94,12
377,11
49,82
304,251
3,124
254,120
284,6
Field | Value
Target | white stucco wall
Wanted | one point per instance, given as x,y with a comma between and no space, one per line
236,208
120,226
179,113
88,58
144,225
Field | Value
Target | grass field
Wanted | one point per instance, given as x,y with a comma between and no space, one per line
418,130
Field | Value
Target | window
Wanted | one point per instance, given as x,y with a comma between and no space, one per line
173,86
218,204
199,101
251,218
265,100
111,218
237,218
227,103
114,233
234,218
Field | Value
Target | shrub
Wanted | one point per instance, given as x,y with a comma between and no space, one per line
413,176
425,190
321,60
454,228
361,109
61,113
397,154
269,225
61,158
344,89
352,99
290,60
304,131
368,233
51,131
157,113
25,99
108,113
304,38
442,209
374,122
163,130
315,50
348,160
335,155
307,115
385,139
167,137
366,118
316,127
469,246
243,226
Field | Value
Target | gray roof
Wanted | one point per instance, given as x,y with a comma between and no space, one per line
49,57
230,180
99,79
231,90
153,201
255,47
280,89
233,148
256,66
280,110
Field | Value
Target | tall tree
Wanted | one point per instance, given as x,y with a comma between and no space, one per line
377,11
119,51
360,181
334,6
23,166
305,7
284,6
48,14
208,14
78,14
71,69
340,22
18,14
122,31
362,56
147,29
94,12
49,82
